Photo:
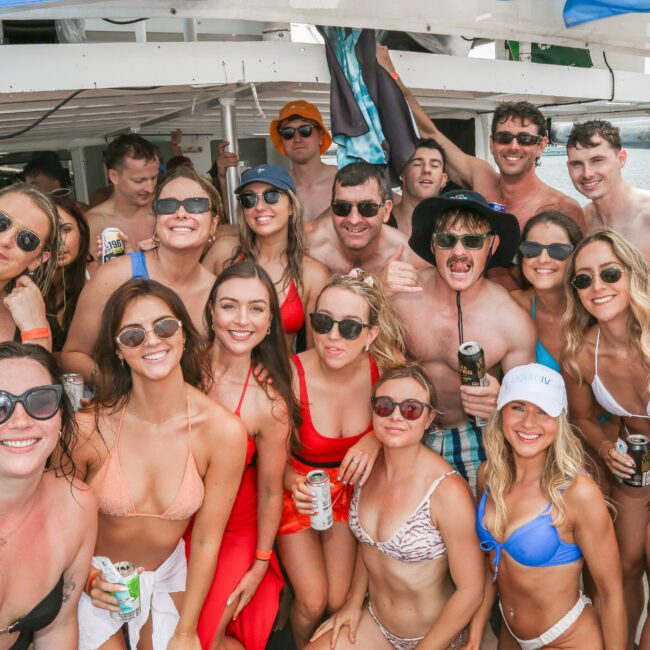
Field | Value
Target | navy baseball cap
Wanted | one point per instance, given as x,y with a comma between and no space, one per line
272,174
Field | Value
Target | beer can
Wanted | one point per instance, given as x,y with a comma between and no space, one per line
497,207
471,360
319,481
73,384
122,573
638,448
112,244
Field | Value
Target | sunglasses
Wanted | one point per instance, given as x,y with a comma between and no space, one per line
26,240
193,205
133,337
366,209
609,275
287,132
523,139
249,199
348,328
470,242
411,409
41,402
559,252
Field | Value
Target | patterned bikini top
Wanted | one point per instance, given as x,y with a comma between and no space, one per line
417,540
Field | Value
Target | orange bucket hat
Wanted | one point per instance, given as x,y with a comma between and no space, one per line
306,110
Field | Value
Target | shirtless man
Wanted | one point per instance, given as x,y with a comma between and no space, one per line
456,302
353,232
595,162
132,164
298,133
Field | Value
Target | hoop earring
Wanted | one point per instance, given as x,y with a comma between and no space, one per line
268,331
212,238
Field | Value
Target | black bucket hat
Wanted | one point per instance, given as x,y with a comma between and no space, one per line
427,212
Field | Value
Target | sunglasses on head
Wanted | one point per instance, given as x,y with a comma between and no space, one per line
249,199
287,132
523,139
349,328
470,242
40,402
27,240
366,209
559,252
133,337
609,275
411,409
193,205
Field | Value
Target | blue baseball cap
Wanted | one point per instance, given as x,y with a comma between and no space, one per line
272,174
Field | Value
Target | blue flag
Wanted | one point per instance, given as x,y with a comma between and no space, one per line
577,12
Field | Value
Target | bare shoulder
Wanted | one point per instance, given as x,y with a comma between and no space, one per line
100,212
112,274
523,297
560,201
315,272
316,230
206,412
73,495
220,252
583,493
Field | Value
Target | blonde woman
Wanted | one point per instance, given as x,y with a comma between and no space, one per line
606,363
541,518
356,336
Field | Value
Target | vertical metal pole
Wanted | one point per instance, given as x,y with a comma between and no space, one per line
141,32
79,174
229,131
190,33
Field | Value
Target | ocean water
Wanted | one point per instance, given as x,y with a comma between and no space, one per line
553,171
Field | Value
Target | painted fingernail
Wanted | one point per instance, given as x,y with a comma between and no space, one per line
338,478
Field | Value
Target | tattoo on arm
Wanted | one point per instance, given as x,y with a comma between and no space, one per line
69,585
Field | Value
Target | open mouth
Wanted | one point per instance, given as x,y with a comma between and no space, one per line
528,437
545,271
20,443
264,218
460,269
240,335
602,300
182,229
155,356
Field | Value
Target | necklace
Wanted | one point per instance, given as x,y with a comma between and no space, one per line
161,424
4,538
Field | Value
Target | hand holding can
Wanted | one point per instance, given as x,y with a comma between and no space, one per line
322,517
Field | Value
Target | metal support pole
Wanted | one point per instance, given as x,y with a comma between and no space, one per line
79,174
229,130
141,32
190,33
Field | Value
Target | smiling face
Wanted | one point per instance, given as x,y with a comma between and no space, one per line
423,176
529,430
135,180
264,218
514,159
70,238
543,272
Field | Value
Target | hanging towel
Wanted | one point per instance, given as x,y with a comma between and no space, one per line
577,12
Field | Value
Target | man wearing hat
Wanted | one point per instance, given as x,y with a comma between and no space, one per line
462,237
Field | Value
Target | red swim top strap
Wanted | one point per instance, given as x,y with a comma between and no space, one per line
243,393
374,371
304,400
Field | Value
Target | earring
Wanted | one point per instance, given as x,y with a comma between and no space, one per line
155,239
268,331
212,238
366,347
60,432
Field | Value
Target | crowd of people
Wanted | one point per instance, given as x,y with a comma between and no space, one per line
223,366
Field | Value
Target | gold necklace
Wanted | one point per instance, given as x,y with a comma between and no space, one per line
4,538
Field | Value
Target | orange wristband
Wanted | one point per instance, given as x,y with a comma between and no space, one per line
36,333
94,574
394,75
264,556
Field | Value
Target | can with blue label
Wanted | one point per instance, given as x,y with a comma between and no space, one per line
497,207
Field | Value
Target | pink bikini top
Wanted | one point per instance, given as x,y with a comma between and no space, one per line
113,495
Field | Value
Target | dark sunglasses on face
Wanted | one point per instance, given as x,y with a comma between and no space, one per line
523,139
366,209
610,275
287,132
348,328
193,205
470,242
249,199
133,337
40,402
411,409
559,252
26,240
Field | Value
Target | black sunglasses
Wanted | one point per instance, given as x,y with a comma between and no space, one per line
366,209
559,252
249,199
193,205
523,139
27,240
470,242
609,275
348,328
411,409
287,132
133,337
40,402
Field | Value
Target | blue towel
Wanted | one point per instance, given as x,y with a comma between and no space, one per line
577,12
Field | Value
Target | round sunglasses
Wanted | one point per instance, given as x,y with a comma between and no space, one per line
249,199
193,205
559,252
349,329
411,409
366,209
40,402
287,132
470,242
27,240
133,337
610,275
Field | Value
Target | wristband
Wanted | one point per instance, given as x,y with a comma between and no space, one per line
394,75
36,333
263,556
94,574
604,442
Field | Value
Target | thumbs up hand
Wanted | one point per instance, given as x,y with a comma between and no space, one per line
398,276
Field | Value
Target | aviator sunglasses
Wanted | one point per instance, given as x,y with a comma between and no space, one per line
411,409
133,337
40,402
193,205
249,199
348,328
27,240
610,275
287,132
559,252
470,242
366,209
523,139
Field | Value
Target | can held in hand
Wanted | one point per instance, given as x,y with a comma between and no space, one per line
638,448
73,384
497,207
471,360
319,482
122,573
112,244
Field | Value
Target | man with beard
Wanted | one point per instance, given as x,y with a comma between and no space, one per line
462,237
353,232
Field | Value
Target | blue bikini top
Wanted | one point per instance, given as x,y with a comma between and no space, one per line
542,355
536,543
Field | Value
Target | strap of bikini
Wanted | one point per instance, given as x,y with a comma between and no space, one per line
596,354
119,428
437,482
302,380
533,311
374,371
189,421
243,393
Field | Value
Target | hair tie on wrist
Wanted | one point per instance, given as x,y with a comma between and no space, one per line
94,574
394,75
36,333
263,556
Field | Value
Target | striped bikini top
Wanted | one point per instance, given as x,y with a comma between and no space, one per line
417,540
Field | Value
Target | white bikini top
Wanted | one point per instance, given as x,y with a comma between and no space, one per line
604,397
